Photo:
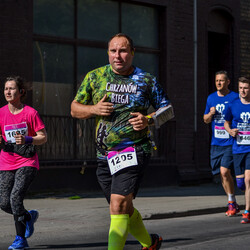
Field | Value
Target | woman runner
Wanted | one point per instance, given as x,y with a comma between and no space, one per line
21,128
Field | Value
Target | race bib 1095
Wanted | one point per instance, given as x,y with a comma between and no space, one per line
11,130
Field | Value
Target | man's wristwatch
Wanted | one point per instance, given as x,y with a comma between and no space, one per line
150,120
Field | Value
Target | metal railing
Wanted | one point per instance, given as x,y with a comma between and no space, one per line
72,141
69,140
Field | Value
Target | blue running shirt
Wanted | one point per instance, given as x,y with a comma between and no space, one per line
220,136
239,114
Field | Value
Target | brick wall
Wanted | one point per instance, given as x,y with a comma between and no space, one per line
192,147
180,78
16,40
245,37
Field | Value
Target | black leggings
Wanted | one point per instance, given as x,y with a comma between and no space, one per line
13,187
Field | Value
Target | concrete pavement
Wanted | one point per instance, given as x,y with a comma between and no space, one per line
71,210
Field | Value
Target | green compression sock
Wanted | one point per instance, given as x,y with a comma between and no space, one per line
118,231
138,230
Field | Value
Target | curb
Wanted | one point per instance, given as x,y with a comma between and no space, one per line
188,213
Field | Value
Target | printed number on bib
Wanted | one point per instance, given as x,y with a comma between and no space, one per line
220,132
11,130
243,138
118,160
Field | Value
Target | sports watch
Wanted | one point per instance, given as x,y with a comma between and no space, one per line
150,120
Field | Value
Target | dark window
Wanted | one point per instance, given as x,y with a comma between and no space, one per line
70,39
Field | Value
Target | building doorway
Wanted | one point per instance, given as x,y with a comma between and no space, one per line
220,49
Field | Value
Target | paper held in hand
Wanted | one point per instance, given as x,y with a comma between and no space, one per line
162,115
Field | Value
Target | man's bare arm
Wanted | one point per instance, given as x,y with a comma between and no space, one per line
233,132
82,111
208,117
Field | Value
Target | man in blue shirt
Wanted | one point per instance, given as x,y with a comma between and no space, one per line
221,157
237,124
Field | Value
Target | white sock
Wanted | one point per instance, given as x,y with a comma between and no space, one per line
231,197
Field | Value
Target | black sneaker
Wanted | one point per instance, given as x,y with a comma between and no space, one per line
156,242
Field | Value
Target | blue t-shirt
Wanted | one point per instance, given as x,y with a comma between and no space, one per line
220,136
239,114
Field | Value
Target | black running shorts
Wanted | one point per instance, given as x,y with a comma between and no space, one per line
125,181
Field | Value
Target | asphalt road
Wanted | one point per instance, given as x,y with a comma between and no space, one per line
213,231
84,223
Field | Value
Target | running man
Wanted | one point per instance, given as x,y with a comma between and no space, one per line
121,95
221,158
237,123
20,130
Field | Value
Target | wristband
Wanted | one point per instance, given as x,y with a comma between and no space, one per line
28,139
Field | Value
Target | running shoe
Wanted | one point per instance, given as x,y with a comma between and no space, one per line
233,209
30,224
156,242
19,243
245,218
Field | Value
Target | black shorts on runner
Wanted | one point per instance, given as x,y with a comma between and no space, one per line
125,181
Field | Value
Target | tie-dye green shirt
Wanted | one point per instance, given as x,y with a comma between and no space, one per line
133,93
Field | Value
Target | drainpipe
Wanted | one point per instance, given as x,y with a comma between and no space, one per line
195,88
195,66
